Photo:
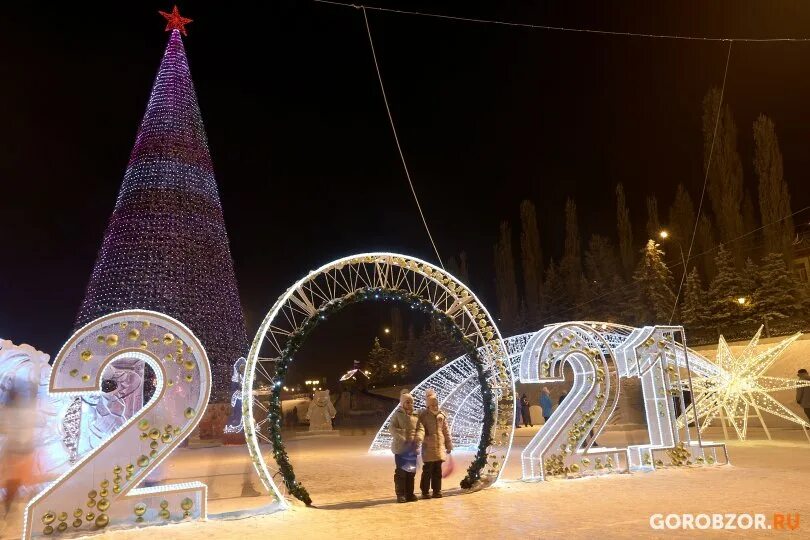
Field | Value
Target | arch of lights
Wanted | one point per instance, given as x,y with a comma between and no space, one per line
354,278
656,355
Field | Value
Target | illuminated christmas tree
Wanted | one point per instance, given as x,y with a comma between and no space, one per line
166,248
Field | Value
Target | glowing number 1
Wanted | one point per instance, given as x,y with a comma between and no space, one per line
101,489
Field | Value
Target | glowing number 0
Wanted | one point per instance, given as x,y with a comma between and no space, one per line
101,489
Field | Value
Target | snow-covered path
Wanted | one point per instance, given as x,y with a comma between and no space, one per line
352,492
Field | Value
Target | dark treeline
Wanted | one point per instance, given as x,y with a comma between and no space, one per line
739,274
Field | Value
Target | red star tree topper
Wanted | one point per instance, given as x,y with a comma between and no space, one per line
175,21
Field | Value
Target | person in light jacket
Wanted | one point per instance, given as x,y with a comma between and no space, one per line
405,440
803,393
436,444
546,403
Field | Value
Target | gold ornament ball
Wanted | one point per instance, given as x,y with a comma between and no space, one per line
153,454
47,531
103,505
91,503
153,445
74,372
144,344
122,325
165,514
77,523
90,516
144,435
186,504
143,461
164,504
85,377
92,494
105,483
143,425
134,335
189,365
169,383
168,428
167,339
104,492
48,518
116,488
189,413
154,434
189,378
62,516
145,324
166,438
140,509
102,521
112,340
62,527
86,355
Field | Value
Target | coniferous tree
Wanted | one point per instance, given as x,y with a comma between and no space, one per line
777,295
554,300
705,243
655,286
694,312
378,362
653,222
726,290
531,259
725,185
603,279
505,280
774,197
571,263
625,231
682,216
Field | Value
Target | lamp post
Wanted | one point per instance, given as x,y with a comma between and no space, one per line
664,235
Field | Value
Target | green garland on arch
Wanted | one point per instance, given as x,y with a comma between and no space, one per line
297,339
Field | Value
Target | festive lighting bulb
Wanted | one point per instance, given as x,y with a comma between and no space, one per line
664,234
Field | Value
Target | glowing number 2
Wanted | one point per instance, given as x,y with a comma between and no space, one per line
564,441
101,489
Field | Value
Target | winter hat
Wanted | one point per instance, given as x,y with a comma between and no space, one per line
404,393
431,398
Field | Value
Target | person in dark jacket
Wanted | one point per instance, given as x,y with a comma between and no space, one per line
524,411
562,397
405,440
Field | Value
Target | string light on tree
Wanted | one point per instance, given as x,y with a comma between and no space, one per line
740,386
166,248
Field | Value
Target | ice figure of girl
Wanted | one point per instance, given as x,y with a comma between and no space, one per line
321,412
23,366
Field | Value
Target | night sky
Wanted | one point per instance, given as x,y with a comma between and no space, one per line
304,158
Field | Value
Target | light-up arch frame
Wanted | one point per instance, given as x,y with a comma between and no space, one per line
459,393
323,291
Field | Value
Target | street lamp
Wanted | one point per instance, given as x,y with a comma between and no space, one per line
664,235
742,300
387,330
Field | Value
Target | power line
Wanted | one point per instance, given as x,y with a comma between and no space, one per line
705,180
396,139
531,26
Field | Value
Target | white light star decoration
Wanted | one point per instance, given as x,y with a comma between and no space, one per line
740,386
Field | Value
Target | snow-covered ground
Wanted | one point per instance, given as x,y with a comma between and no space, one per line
353,495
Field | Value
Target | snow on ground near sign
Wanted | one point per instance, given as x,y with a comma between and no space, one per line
353,492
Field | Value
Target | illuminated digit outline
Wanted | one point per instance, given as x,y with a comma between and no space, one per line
151,331
595,388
